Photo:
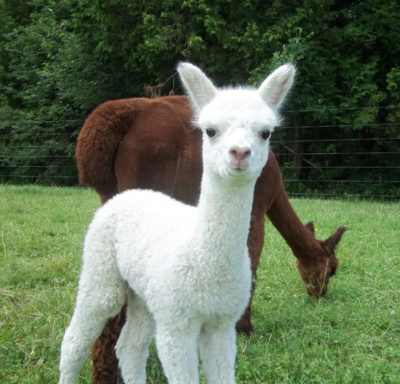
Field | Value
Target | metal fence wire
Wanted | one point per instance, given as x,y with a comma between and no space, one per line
317,159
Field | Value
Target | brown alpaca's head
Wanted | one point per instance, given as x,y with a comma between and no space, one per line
317,269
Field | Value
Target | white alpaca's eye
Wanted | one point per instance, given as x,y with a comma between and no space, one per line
211,132
265,134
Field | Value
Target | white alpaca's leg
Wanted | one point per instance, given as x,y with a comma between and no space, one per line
133,343
177,350
85,327
100,296
217,346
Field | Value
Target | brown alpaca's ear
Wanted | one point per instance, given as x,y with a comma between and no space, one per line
310,227
333,240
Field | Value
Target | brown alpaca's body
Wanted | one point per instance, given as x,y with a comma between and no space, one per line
149,143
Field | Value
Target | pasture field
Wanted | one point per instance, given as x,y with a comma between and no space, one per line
350,336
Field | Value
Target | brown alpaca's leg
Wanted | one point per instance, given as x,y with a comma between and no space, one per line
255,243
105,363
244,324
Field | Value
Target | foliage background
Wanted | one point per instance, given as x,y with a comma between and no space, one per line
59,59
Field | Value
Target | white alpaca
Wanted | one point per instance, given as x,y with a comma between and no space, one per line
187,268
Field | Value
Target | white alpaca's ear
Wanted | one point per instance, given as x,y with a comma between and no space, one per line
199,87
276,86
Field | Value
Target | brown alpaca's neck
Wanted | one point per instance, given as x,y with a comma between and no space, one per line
302,242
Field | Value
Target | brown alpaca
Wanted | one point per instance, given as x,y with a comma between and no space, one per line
149,143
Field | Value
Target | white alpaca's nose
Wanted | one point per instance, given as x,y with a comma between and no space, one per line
240,153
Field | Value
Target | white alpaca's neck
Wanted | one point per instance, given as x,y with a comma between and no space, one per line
223,220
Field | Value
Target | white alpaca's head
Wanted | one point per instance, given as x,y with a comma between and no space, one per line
236,122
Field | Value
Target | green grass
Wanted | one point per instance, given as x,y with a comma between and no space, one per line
350,336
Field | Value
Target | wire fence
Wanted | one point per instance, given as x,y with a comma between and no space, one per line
361,161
